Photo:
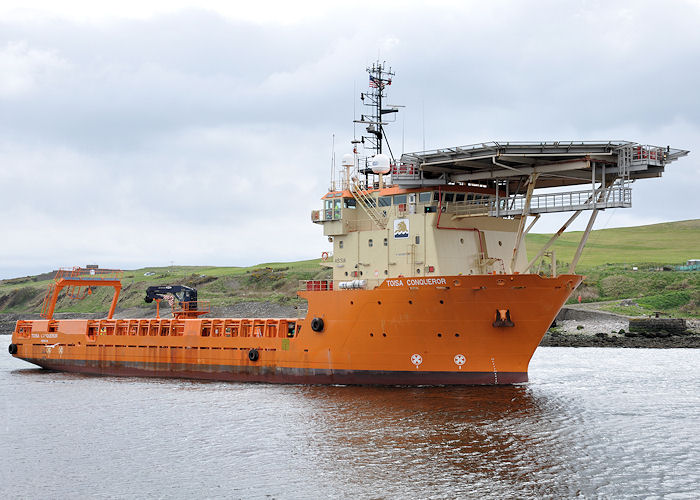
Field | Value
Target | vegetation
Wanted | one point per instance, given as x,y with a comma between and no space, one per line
608,262
273,282
634,263
670,243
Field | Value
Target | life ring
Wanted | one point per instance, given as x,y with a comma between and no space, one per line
324,256
253,355
317,324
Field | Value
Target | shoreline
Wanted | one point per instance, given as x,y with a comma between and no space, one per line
556,339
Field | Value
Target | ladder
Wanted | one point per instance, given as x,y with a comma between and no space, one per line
368,205
47,300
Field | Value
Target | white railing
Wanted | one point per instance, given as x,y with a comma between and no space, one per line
615,197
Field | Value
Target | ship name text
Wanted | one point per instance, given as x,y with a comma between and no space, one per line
45,335
417,282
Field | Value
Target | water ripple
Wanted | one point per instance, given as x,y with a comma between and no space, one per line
617,423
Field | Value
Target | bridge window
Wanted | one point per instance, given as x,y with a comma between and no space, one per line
424,197
448,197
340,243
385,201
336,209
459,197
350,203
399,198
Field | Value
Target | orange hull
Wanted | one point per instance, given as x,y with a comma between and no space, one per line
412,331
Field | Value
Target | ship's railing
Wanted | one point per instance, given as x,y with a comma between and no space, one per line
618,196
405,171
316,285
615,197
351,283
89,273
208,327
648,155
471,207
191,308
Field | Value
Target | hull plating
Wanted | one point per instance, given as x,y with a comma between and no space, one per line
407,331
233,373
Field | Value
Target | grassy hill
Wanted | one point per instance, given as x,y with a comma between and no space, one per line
667,243
607,263
222,286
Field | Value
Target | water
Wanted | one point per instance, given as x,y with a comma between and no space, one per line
591,423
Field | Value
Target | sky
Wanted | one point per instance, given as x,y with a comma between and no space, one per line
201,133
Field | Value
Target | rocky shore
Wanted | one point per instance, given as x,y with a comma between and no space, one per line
574,327
582,326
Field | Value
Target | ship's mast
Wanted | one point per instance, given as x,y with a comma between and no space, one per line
380,76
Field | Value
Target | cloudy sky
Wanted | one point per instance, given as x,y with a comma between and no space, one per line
200,133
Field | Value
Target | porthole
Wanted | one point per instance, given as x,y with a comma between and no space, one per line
379,302
456,334
340,244
442,301
383,334
371,335
440,335
386,242
500,243
370,242
461,240
410,302
417,271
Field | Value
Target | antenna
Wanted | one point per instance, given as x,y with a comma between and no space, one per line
424,124
403,133
333,163
380,77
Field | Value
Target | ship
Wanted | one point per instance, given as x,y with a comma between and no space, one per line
428,278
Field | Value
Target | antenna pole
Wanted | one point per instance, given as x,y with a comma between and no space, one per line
380,132
333,163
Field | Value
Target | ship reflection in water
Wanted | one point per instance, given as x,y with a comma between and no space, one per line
592,422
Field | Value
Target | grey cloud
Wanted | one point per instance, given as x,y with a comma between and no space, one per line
187,123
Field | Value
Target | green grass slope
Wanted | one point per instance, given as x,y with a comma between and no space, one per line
276,282
666,243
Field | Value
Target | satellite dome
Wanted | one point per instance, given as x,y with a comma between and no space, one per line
348,160
380,164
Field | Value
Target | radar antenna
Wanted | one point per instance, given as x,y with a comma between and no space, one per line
380,76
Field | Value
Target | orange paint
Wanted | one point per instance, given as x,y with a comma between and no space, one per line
406,331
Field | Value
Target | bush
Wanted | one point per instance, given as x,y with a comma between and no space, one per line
618,286
664,301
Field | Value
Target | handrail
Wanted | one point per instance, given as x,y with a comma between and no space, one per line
78,277
88,273
191,309
366,203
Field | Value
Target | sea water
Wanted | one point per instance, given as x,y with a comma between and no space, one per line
592,422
